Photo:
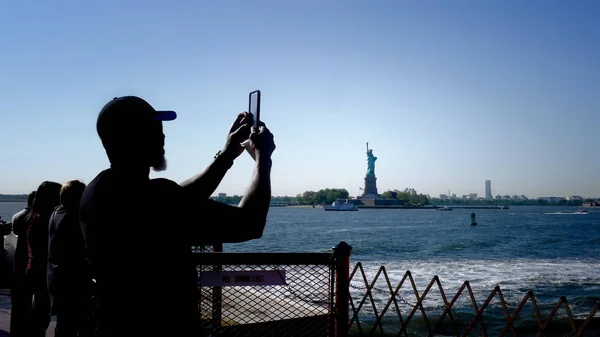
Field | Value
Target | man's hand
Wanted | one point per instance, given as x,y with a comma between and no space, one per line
204,184
262,141
238,132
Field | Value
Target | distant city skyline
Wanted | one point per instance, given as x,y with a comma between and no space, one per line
447,93
489,195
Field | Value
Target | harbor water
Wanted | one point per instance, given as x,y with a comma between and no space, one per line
553,251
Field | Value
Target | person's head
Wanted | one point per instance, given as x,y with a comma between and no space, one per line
30,198
46,198
70,194
131,132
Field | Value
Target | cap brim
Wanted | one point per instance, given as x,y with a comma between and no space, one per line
165,115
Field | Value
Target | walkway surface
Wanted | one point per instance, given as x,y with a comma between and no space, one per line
5,307
239,307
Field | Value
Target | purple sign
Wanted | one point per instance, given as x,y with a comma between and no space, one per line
242,278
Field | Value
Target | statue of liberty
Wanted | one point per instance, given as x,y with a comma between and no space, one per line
370,162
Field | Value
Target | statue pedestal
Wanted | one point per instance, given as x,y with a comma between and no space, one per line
370,185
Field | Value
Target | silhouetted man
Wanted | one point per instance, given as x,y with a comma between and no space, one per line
139,231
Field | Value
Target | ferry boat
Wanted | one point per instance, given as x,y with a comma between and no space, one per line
445,208
338,205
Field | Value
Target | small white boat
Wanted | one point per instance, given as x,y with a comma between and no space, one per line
581,211
340,206
445,208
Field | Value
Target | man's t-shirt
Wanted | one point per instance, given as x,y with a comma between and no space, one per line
140,252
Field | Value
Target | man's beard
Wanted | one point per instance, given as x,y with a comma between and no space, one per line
160,164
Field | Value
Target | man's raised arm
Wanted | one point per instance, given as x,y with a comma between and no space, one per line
204,184
246,221
257,197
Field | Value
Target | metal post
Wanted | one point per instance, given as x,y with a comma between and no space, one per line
341,252
217,293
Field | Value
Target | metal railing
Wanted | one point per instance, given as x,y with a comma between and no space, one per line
315,294
266,294
441,317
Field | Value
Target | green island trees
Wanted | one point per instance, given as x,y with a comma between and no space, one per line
410,196
324,196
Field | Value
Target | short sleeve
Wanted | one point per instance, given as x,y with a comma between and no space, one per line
204,221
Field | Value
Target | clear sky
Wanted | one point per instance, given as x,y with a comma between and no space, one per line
447,93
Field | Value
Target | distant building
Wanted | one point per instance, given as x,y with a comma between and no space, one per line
473,196
488,189
222,195
575,198
443,196
498,197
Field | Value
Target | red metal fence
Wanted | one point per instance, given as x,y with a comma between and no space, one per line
319,296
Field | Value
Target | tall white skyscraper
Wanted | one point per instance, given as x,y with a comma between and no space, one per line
488,189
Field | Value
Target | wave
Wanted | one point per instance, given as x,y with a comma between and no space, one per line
451,247
565,213
549,279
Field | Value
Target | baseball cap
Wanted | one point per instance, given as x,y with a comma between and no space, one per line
126,114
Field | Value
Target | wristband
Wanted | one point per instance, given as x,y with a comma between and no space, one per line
225,162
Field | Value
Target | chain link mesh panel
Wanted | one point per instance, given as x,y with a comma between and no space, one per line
296,299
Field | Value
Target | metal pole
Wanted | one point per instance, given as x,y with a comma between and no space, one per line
217,293
341,252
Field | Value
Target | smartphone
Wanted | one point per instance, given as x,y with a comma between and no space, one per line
254,109
254,106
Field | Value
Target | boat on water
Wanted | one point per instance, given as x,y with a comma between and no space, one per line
445,208
340,206
581,211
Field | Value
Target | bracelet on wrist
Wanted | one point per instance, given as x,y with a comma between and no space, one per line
226,162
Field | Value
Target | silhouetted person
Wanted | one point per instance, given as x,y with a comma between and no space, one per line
46,199
20,301
6,227
139,231
6,272
69,279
